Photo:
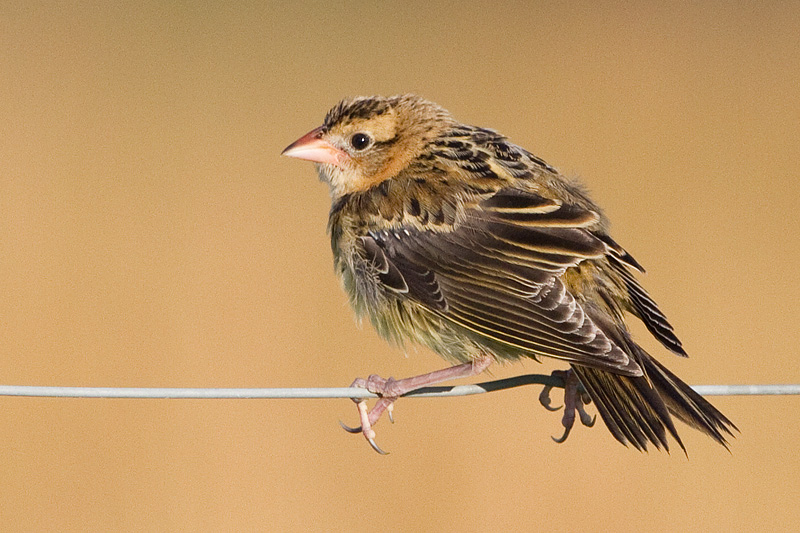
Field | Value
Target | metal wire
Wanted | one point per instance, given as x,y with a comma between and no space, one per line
348,392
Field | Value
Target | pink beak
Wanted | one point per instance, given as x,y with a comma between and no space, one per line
311,147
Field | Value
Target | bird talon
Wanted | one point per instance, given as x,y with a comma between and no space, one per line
564,436
574,402
586,419
544,399
347,428
390,412
376,447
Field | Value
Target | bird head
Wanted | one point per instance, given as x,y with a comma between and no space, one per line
366,140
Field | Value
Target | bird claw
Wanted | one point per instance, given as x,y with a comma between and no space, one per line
376,447
563,437
574,402
348,429
369,434
544,399
371,416
586,419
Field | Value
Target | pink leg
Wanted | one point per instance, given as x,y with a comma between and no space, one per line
391,389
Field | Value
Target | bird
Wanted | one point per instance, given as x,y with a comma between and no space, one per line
450,236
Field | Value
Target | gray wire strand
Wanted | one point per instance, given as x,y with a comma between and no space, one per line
348,392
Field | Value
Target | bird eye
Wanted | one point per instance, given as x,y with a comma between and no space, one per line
359,141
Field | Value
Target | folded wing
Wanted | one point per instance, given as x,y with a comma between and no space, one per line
496,274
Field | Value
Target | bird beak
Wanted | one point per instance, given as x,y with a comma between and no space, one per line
311,147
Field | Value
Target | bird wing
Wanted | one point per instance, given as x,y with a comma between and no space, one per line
496,274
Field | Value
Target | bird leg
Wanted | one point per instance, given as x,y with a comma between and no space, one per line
391,389
574,400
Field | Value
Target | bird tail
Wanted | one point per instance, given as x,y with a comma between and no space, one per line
638,410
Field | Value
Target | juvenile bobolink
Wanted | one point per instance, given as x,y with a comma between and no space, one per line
450,236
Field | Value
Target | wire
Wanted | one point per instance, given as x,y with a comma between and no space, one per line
348,392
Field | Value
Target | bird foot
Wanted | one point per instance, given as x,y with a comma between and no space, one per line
574,401
389,390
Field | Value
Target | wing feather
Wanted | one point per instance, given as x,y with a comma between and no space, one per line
497,274
646,309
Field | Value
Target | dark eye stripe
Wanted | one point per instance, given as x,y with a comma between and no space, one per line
387,143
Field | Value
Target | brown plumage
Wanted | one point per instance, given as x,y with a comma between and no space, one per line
450,236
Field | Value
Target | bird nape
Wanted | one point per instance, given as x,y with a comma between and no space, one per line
450,236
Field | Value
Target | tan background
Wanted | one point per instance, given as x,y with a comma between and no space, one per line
150,235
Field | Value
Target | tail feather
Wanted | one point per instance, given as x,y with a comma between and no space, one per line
632,410
687,405
637,409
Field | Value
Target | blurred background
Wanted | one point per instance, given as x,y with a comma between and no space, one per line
150,235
